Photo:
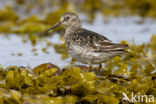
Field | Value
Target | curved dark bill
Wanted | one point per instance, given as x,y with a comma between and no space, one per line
53,26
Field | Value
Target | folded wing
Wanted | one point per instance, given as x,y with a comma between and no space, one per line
108,46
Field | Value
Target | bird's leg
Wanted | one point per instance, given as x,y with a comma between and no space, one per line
90,67
100,66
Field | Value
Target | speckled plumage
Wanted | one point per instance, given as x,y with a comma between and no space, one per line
87,46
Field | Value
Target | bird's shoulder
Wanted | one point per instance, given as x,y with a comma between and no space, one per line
86,37
97,42
92,35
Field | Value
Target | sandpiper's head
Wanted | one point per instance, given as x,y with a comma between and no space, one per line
68,20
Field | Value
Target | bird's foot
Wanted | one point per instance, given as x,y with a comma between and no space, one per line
100,66
90,67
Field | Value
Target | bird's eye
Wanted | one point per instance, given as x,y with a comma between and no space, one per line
67,18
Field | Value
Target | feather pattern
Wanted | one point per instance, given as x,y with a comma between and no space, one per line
97,42
87,46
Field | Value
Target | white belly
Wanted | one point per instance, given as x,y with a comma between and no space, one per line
85,55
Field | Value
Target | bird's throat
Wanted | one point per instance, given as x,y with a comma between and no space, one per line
72,28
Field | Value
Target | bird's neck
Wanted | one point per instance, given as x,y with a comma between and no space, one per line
73,28
70,30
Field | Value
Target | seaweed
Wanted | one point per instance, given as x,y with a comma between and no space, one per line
48,83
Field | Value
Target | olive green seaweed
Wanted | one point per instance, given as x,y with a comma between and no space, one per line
74,84
48,84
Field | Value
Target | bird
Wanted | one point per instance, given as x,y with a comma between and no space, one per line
86,46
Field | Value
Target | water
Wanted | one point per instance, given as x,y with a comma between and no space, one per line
124,28
12,46
116,29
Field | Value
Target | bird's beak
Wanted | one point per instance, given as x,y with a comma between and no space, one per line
57,24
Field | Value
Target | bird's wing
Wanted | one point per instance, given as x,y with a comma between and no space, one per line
87,38
97,42
100,43
104,46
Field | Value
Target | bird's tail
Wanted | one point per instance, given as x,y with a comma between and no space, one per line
124,47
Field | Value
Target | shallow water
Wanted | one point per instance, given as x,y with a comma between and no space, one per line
117,29
125,28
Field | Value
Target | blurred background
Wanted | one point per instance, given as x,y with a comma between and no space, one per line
23,22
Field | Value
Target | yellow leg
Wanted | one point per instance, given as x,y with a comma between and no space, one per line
90,67
100,66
